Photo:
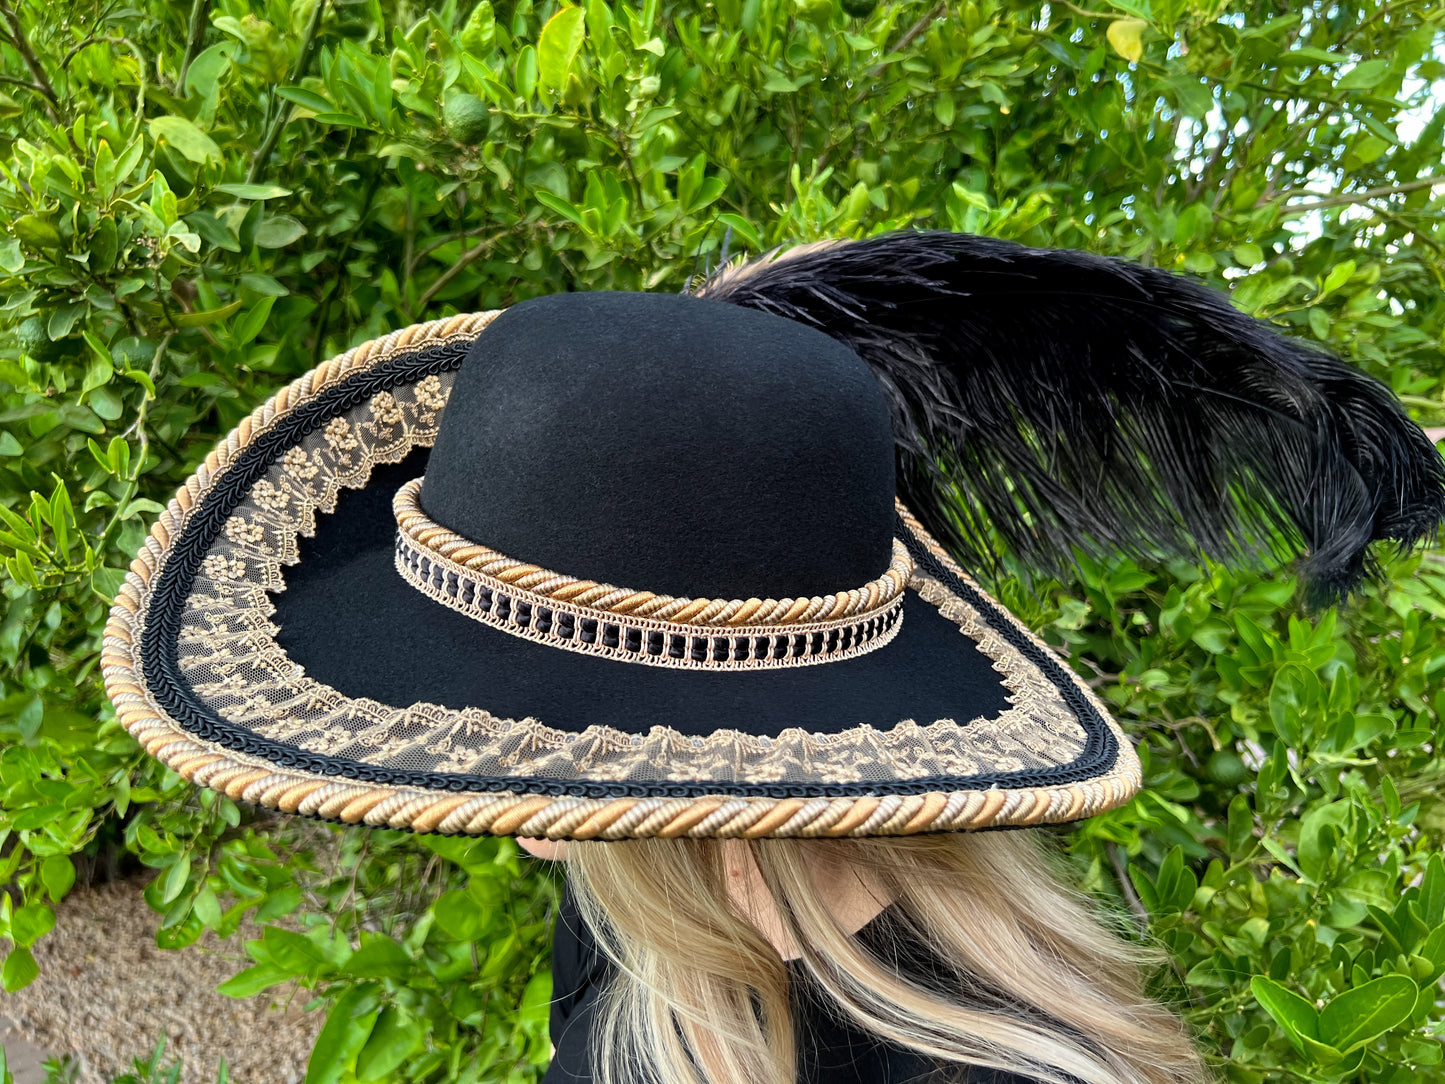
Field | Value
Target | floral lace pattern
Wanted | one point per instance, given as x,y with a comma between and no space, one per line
229,655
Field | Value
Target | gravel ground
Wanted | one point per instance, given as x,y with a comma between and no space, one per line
106,993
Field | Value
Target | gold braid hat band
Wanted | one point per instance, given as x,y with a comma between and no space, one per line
641,626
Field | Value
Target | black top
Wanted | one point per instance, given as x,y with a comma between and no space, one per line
831,1049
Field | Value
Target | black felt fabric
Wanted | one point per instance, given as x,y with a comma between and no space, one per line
354,624
668,443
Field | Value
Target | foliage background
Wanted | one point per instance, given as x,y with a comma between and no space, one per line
202,200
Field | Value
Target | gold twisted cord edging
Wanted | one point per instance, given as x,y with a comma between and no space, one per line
251,779
643,640
428,535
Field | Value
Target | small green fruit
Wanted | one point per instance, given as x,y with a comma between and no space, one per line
32,336
1225,768
859,9
467,117
132,353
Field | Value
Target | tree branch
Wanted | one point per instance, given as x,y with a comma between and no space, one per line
462,263
22,46
1126,886
303,61
26,83
195,34
1346,198
910,35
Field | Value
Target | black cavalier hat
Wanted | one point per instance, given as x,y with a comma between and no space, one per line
614,565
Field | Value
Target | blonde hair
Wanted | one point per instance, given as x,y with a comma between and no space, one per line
1029,976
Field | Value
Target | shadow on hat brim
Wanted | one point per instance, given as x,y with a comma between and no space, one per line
264,646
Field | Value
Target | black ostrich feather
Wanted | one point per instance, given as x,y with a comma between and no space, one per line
1074,400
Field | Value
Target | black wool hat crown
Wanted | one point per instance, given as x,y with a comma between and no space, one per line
691,446
614,565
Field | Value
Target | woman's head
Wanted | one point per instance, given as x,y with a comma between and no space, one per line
998,964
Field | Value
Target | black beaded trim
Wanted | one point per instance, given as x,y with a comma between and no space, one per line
158,649
648,641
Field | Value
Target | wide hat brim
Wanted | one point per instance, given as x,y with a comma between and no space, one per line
284,538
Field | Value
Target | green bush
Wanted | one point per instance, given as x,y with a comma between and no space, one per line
202,201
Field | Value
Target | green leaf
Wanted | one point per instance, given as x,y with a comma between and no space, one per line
1127,38
57,874
11,258
204,74
778,83
1248,254
20,970
195,319
1294,696
1432,892
1292,1012
36,232
249,325
104,168
480,29
525,70
558,45
742,227
1367,1011
536,1000
30,923
379,957
30,717
305,98
185,137
458,917
176,878
253,980
345,120
278,231
1196,97
62,320
348,1026
1320,831
393,1039
560,205
1363,75
1241,825
1338,276
282,901
207,907
254,191
292,950
141,377
9,445
103,246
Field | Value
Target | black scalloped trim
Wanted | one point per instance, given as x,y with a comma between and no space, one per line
158,648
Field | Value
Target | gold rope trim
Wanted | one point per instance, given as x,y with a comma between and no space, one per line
253,780
428,535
